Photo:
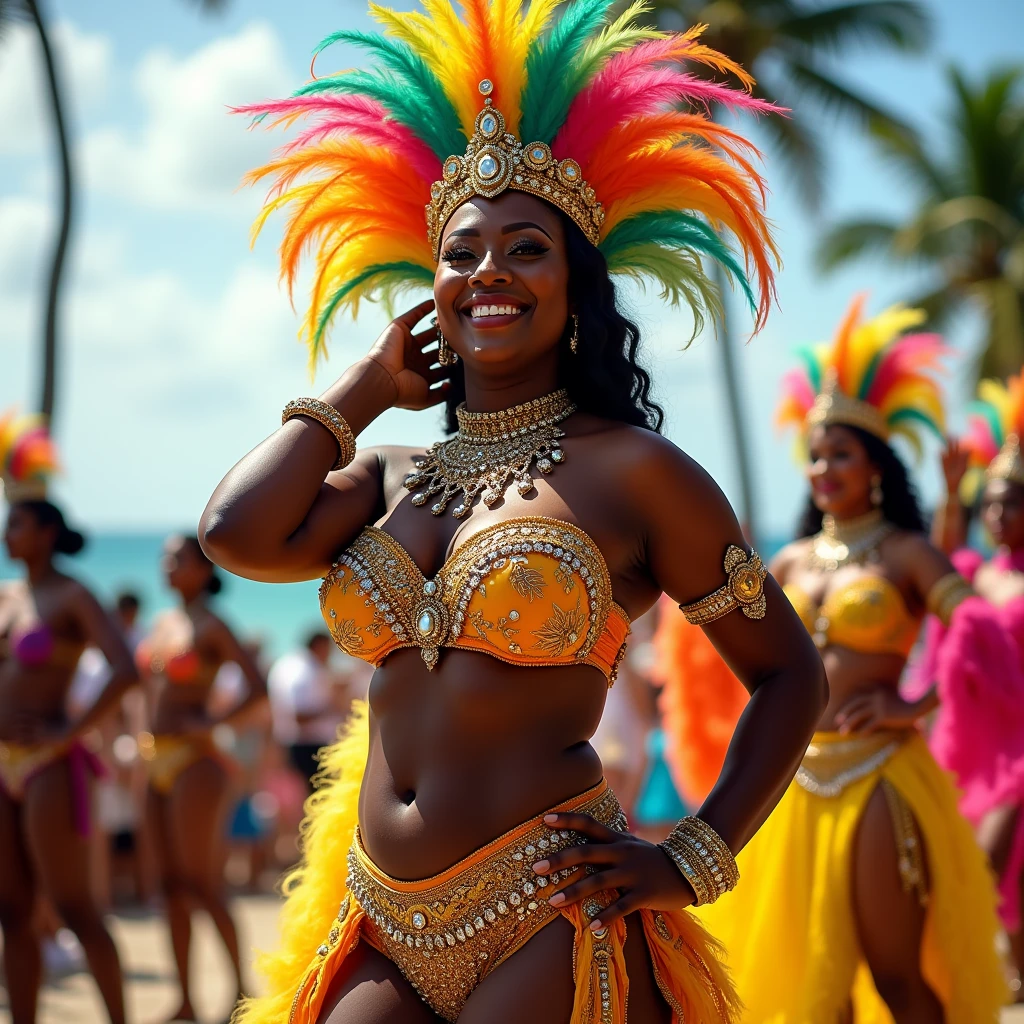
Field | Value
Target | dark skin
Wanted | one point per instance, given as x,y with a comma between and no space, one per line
864,697
462,754
187,824
40,849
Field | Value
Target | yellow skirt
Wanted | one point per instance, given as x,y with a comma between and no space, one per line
789,926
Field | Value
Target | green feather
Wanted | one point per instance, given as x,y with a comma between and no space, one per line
618,36
916,416
551,83
679,273
404,83
987,412
387,279
869,374
675,230
812,365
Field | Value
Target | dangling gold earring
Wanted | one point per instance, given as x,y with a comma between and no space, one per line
574,341
877,495
445,355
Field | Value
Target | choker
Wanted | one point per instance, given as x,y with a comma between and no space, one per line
489,452
848,541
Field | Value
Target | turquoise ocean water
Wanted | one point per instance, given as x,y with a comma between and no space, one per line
281,615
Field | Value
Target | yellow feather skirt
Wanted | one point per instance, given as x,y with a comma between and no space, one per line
789,926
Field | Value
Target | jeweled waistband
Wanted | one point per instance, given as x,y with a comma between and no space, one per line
834,761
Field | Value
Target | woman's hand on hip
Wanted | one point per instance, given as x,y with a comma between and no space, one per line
880,708
643,874
408,359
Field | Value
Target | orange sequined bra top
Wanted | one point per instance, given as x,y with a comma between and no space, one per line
532,591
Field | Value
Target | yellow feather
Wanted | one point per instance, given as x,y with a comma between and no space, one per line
873,335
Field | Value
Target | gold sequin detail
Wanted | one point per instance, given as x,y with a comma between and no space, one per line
743,589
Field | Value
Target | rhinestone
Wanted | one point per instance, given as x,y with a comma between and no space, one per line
430,587
478,923
487,166
409,941
459,510
419,499
486,87
468,929
544,465
460,935
517,855
437,508
542,881
531,905
515,899
426,623
542,843
449,938
502,908
399,935
513,615
530,850
418,920
537,153
489,915
323,950
488,124
529,888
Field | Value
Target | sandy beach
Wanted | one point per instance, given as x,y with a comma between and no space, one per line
143,943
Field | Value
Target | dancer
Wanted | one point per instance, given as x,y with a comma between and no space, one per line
865,870
190,781
496,625
979,661
45,625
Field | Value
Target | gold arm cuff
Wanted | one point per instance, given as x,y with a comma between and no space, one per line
946,594
329,417
703,857
744,589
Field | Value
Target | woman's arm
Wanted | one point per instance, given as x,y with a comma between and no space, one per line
280,514
229,649
949,527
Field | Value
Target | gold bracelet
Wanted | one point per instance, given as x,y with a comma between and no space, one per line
703,857
743,589
946,594
329,417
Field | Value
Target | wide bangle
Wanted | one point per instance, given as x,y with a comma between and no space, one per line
329,417
744,588
703,857
946,594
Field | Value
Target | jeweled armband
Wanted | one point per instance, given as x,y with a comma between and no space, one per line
703,858
329,417
946,594
743,589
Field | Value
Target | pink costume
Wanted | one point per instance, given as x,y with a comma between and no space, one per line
977,662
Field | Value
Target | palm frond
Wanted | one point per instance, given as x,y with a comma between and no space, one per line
852,240
901,24
905,150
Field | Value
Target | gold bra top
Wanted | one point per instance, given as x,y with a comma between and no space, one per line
867,615
530,592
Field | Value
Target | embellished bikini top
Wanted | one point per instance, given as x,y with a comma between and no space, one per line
867,615
531,592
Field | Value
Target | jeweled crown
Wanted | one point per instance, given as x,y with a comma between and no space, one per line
833,405
1007,465
495,160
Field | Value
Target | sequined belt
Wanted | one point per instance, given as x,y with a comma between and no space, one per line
447,932
833,762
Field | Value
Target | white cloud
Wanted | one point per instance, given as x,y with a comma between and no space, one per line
84,62
190,153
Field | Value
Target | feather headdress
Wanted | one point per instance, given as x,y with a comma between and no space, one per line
873,375
28,456
582,110
995,426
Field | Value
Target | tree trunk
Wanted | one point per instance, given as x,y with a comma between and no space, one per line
737,418
46,405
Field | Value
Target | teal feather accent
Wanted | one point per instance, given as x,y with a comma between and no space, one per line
551,81
915,415
404,83
991,415
869,373
812,364
386,278
679,273
675,230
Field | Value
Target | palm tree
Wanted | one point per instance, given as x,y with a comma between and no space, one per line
30,9
792,48
968,227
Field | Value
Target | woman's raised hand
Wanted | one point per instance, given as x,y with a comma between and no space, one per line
409,359
955,460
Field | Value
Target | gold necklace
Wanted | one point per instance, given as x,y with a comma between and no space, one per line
490,450
848,541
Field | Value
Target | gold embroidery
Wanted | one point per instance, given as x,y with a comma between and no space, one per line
346,634
744,589
562,630
526,582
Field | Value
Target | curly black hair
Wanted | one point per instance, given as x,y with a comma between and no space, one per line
900,504
606,378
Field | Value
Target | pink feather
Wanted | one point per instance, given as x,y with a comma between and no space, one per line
351,116
632,84
796,385
906,357
979,441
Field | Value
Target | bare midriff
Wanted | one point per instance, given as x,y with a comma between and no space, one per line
851,673
466,752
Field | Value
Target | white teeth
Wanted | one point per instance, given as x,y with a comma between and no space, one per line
482,311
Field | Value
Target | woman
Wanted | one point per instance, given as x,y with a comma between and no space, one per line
45,625
865,866
979,732
496,625
190,781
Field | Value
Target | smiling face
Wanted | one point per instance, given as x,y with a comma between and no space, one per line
839,472
1002,512
501,285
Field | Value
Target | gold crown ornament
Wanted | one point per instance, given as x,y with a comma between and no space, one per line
1007,465
833,405
495,160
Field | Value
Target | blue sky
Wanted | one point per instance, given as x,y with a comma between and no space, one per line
180,347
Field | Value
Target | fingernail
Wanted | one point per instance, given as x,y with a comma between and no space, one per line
541,867
559,897
595,925
551,818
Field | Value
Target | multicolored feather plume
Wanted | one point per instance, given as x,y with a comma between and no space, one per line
677,188
995,420
28,456
873,375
